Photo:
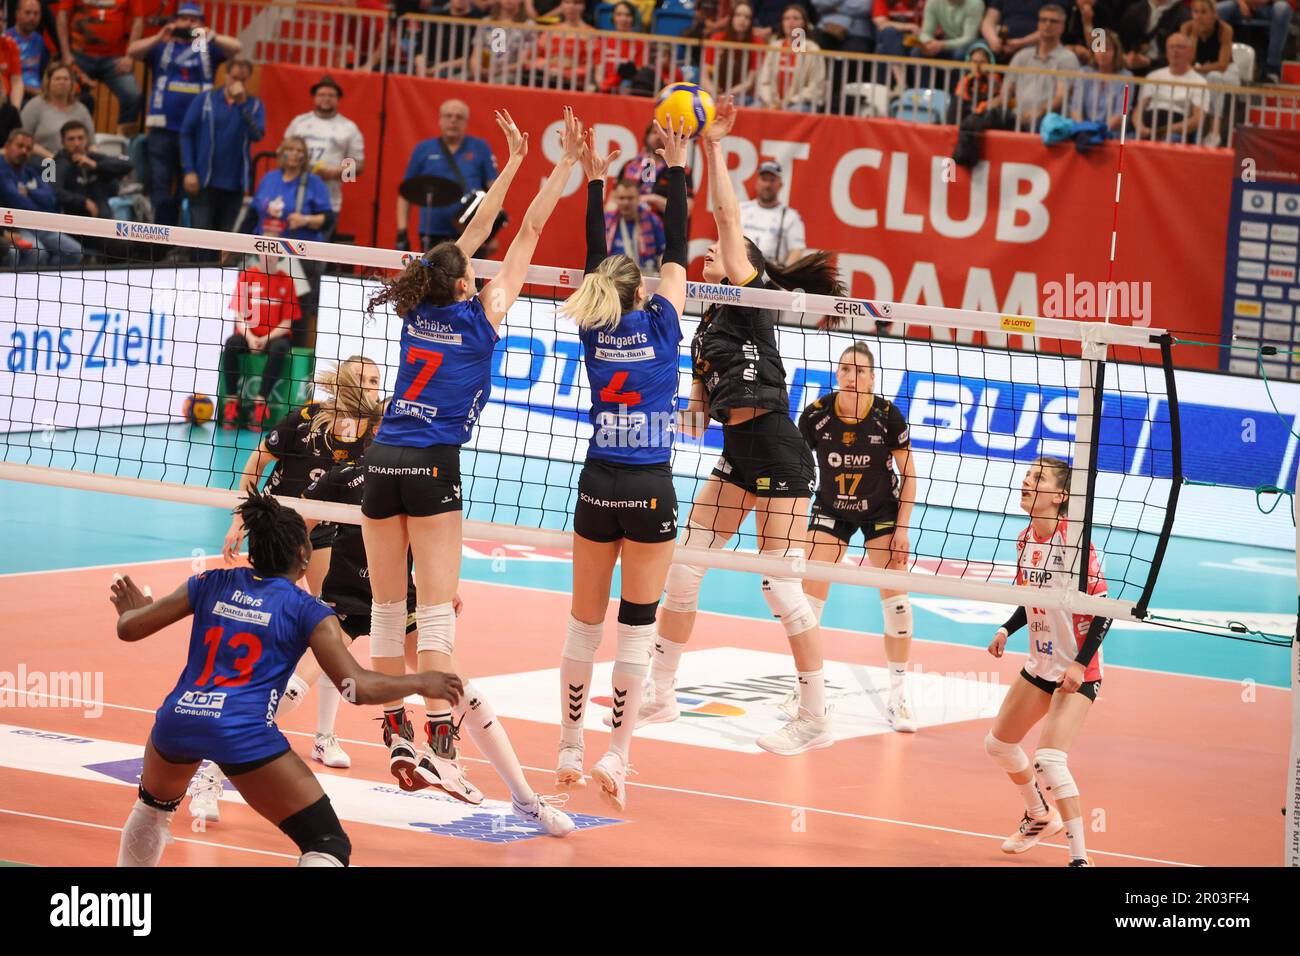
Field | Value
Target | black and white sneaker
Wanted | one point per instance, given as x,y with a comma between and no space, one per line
438,764
399,737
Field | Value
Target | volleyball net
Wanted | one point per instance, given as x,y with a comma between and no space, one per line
107,349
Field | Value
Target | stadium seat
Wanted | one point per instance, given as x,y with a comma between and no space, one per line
1243,55
672,23
867,99
921,106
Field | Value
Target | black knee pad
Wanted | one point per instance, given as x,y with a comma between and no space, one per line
149,800
316,829
636,614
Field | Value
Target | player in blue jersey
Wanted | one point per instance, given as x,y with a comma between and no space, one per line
251,625
765,467
413,485
627,505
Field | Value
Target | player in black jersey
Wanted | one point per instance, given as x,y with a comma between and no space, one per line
867,483
765,466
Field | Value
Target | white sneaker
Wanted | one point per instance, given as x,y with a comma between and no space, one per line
789,705
611,773
1032,829
545,812
448,776
900,716
652,711
326,750
569,771
805,732
205,794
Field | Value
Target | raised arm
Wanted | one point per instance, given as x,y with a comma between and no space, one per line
672,274
139,615
726,208
596,168
500,294
480,227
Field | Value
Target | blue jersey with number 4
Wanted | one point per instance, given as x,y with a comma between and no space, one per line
445,375
249,632
632,370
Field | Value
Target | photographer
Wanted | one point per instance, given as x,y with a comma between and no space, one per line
183,57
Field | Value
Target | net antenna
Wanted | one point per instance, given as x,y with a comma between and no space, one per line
958,486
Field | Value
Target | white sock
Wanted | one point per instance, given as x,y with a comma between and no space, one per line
663,666
812,692
1034,801
897,679
294,693
480,721
1074,833
144,836
327,707
818,605
575,686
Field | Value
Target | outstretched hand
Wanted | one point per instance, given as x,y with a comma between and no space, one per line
571,139
675,141
127,597
724,118
515,140
595,166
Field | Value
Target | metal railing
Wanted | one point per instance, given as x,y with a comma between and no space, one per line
846,84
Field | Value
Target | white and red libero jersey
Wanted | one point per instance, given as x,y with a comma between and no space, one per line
1055,634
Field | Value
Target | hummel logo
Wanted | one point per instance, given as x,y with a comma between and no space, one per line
782,485
620,698
666,526
455,490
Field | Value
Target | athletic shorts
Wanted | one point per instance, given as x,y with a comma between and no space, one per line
636,502
188,739
357,626
767,457
1088,688
229,769
411,481
873,524
322,536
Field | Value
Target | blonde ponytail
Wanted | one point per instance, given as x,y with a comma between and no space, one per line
605,295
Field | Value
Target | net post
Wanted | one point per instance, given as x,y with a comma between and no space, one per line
1292,809
1083,469
1175,476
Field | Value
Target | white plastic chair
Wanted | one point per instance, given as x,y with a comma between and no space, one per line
1243,55
872,99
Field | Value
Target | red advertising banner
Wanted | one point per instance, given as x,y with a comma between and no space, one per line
1028,231
286,91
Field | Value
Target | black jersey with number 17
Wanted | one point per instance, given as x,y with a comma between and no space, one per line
854,457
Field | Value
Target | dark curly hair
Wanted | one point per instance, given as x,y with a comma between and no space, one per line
428,278
275,534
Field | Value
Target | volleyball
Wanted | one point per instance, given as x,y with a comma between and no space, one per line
198,409
684,102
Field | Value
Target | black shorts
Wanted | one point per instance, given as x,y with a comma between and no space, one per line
411,481
1088,688
229,769
767,457
872,524
322,536
356,626
636,502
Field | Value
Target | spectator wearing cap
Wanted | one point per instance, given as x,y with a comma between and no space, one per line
774,227
95,35
336,150
85,181
23,187
455,156
184,57
35,55
217,135
634,229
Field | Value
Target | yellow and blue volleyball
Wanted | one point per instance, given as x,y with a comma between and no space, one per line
684,102
198,409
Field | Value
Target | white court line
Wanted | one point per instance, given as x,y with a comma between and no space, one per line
103,826
704,793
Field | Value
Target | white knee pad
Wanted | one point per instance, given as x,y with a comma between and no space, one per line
315,858
817,604
898,615
582,640
437,628
635,645
388,629
682,588
785,597
1007,756
1051,765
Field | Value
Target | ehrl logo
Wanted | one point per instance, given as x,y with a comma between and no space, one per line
103,909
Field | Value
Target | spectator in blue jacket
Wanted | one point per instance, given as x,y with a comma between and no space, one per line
217,135
26,33
23,187
292,202
183,57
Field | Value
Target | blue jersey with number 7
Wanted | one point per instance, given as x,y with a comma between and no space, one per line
632,370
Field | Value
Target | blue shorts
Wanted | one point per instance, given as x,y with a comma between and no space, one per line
190,739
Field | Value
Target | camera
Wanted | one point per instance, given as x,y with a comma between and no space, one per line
184,34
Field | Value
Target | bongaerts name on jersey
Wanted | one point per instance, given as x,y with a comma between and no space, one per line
622,341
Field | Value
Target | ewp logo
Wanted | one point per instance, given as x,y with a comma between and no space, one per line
690,706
